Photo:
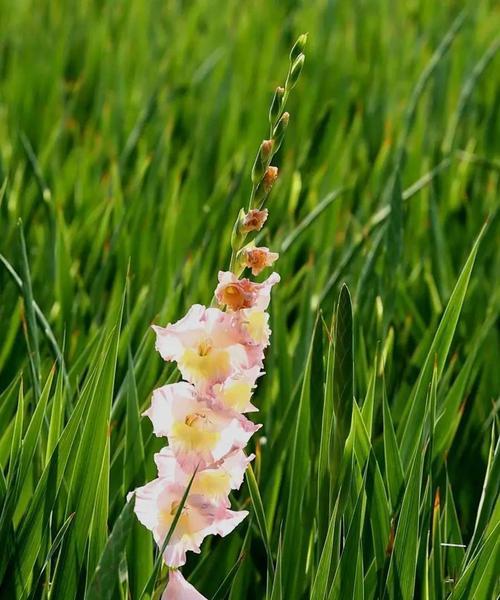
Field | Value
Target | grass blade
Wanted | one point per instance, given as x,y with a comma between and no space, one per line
438,352
105,579
260,516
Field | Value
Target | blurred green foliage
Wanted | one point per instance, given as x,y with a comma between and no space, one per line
127,135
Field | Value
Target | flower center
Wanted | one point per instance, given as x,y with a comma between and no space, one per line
190,420
232,290
204,347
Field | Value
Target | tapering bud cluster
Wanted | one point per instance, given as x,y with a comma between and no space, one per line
263,174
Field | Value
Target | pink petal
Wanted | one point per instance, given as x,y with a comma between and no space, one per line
234,394
235,465
226,520
169,467
214,482
264,295
171,340
180,589
254,325
168,404
146,503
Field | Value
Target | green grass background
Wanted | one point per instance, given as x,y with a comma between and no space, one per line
127,135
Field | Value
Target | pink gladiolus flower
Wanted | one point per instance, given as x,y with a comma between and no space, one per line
180,589
156,505
198,434
237,294
257,259
206,344
214,482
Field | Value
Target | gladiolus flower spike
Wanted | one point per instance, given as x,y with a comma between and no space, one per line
220,355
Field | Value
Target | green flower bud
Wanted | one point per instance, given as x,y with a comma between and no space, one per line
237,236
298,47
276,105
259,196
295,71
279,131
262,160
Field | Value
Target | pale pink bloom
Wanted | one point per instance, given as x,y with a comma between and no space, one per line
236,392
180,589
257,259
156,504
206,344
198,434
242,293
215,482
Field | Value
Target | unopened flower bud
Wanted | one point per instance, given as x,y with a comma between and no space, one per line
266,151
295,71
270,177
279,131
253,220
262,161
276,105
298,47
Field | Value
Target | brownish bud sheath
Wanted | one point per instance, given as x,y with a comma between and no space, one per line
266,151
262,161
269,178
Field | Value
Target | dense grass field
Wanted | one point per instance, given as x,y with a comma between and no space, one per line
127,136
